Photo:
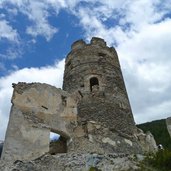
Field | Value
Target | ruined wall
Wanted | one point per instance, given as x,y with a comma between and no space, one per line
94,137
94,70
36,110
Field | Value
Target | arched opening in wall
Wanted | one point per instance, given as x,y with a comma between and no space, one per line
94,83
58,144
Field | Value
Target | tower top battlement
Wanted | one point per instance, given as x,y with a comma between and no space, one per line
94,41
98,41
78,44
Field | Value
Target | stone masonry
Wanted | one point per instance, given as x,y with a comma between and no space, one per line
92,113
94,70
36,110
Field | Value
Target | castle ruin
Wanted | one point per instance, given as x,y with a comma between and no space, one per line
92,113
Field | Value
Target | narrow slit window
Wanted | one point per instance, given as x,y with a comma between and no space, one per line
93,82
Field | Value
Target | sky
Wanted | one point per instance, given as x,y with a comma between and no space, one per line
36,36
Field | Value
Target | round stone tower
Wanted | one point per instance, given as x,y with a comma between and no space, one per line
94,70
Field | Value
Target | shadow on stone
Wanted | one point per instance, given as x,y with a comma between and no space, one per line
58,146
1,147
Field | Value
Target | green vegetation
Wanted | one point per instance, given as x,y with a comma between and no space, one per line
94,169
161,160
159,130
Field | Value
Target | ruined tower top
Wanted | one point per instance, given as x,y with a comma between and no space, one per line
86,60
94,41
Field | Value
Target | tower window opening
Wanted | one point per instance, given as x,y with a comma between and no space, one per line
94,82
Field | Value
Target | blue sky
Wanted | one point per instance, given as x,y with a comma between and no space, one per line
41,50
36,35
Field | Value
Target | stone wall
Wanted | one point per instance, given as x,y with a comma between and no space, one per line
146,141
95,137
36,110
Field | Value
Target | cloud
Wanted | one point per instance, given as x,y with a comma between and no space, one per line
10,35
37,12
145,58
141,13
123,13
51,75
7,32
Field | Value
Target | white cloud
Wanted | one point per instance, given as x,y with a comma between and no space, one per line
37,12
138,14
7,32
51,74
42,29
145,58
141,13
160,111
10,35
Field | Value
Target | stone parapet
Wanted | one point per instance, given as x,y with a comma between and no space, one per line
37,110
78,45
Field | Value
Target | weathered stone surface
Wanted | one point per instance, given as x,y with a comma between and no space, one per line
168,124
146,141
37,109
95,137
109,141
94,70
75,162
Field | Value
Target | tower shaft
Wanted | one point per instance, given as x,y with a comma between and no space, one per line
94,70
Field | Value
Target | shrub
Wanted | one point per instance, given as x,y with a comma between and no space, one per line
161,160
94,169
